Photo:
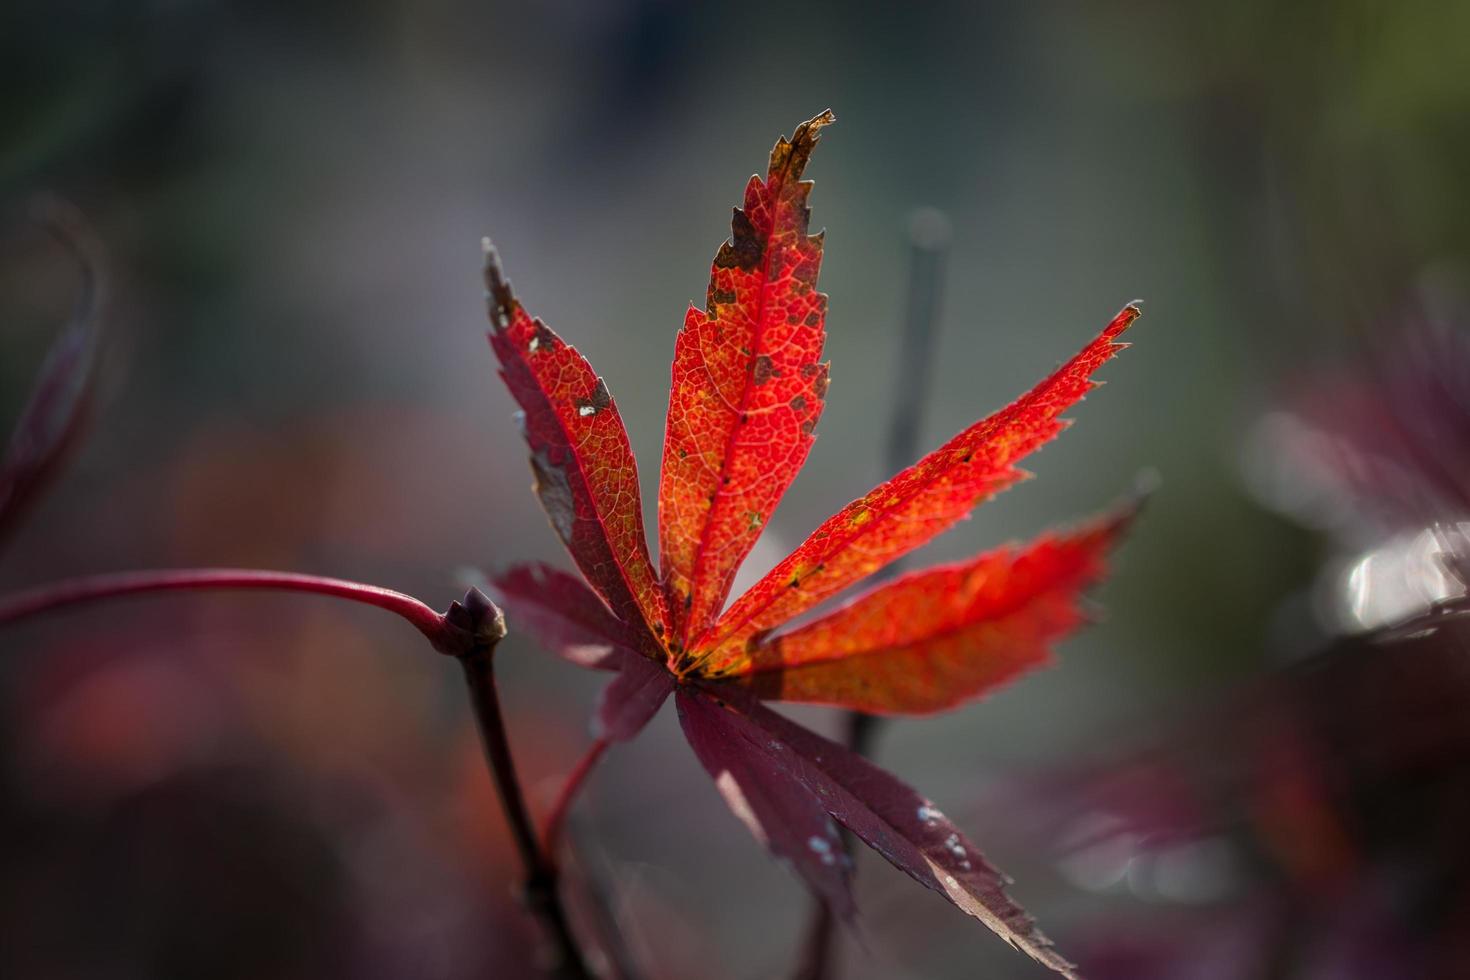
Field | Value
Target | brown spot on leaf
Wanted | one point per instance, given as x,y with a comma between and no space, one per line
599,400
555,490
544,339
808,426
744,249
807,370
798,403
790,157
813,319
723,296
761,369
502,301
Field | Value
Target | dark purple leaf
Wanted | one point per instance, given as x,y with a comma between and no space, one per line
887,815
633,698
561,613
782,812
57,408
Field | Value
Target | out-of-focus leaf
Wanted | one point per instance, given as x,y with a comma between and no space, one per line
747,389
563,615
586,476
935,638
631,700
58,406
887,815
909,509
781,809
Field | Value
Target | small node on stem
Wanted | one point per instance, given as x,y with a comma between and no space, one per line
473,624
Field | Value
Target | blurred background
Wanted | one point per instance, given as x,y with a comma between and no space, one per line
1227,778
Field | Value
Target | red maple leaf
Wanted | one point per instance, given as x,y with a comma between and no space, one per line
748,388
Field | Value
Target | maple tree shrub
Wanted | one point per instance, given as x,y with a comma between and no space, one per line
748,388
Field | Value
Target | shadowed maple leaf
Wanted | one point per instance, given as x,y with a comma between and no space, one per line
748,388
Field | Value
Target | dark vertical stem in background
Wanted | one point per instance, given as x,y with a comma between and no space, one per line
929,236
541,893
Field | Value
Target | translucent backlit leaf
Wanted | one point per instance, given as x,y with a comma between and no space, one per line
586,476
909,509
747,389
935,638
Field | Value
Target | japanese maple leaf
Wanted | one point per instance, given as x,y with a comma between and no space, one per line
748,388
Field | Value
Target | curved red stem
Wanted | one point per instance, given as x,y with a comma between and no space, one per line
46,598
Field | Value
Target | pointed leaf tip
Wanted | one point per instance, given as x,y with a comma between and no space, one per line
747,388
1147,483
499,298
809,131
781,810
889,816
937,637
585,473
